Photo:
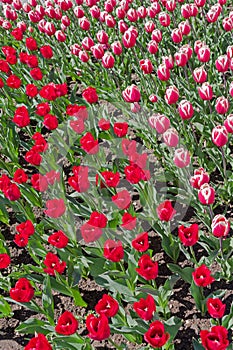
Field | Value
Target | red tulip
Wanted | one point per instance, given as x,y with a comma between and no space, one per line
219,136
66,324
206,194
165,211
202,276
220,226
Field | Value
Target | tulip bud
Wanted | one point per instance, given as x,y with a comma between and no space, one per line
120,12
87,43
220,226
227,24
199,75
206,194
153,98
142,12
171,137
116,48
181,158
171,95
184,27
152,47
199,178
95,12
168,61
159,122
110,21
222,63
154,9
132,15
122,26
176,35
97,51
60,36
203,54
84,23
205,92
129,39
181,58
102,37
219,135
222,105
170,5
149,26
131,94
185,109
231,89
156,35
228,123
146,66
83,56
163,72
108,60
164,19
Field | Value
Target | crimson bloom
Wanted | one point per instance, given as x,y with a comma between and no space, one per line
22,291
90,95
12,192
53,264
26,227
21,117
145,308
120,129
98,327
202,276
140,242
107,305
215,307
5,260
220,226
13,82
38,342
128,221
215,339
90,233
110,179
165,211
156,335
89,144
66,324
188,235
122,199
113,250
55,208
58,239
148,268
98,220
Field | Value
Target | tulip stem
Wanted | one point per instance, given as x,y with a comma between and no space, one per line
114,344
211,212
221,247
193,255
224,164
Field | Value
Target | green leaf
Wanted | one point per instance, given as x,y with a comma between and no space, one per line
197,296
32,325
185,274
5,309
78,298
171,246
172,326
47,300
197,345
